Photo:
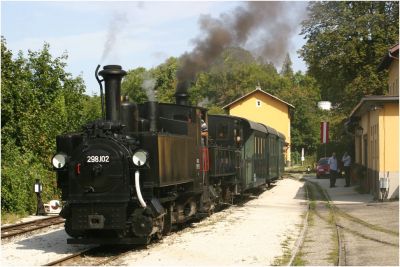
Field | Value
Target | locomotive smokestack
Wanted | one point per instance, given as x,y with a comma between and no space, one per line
112,75
181,98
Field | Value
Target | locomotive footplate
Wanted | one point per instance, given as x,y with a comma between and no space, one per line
109,241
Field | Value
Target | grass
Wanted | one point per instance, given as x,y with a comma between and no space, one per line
8,218
334,253
298,260
285,258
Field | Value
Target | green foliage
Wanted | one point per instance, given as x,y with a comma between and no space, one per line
215,110
91,108
165,75
159,83
287,69
19,171
234,73
345,43
132,85
39,101
303,93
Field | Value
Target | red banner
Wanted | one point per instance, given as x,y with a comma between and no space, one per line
324,132
205,166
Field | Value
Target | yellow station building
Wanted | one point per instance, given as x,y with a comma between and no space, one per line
262,107
375,123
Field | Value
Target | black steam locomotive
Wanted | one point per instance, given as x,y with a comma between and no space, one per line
128,177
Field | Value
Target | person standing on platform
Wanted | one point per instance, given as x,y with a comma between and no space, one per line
332,161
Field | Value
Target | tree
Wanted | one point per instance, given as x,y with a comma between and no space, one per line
287,70
303,92
40,100
155,84
234,73
132,85
345,43
165,75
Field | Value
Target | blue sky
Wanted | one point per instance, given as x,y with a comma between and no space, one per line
146,33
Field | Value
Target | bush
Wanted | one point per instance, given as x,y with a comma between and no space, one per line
19,172
39,101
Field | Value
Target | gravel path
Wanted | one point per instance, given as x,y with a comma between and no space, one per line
37,248
248,235
252,234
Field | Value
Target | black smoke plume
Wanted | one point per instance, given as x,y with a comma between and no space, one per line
265,28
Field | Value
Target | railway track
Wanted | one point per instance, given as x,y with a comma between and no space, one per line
321,214
341,247
25,227
332,236
96,256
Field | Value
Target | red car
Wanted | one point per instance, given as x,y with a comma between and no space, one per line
322,168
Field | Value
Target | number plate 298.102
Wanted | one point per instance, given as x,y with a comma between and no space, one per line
95,159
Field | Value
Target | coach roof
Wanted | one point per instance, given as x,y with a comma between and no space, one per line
253,125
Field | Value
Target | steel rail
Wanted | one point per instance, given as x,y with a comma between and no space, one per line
94,252
300,240
69,257
21,228
341,260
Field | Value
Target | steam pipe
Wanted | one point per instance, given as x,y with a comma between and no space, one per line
101,90
152,115
138,192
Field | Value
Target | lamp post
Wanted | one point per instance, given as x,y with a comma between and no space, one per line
38,188
324,105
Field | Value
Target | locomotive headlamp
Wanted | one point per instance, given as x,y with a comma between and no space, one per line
139,158
59,160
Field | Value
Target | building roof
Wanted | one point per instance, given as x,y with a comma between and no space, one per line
372,102
258,89
388,58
